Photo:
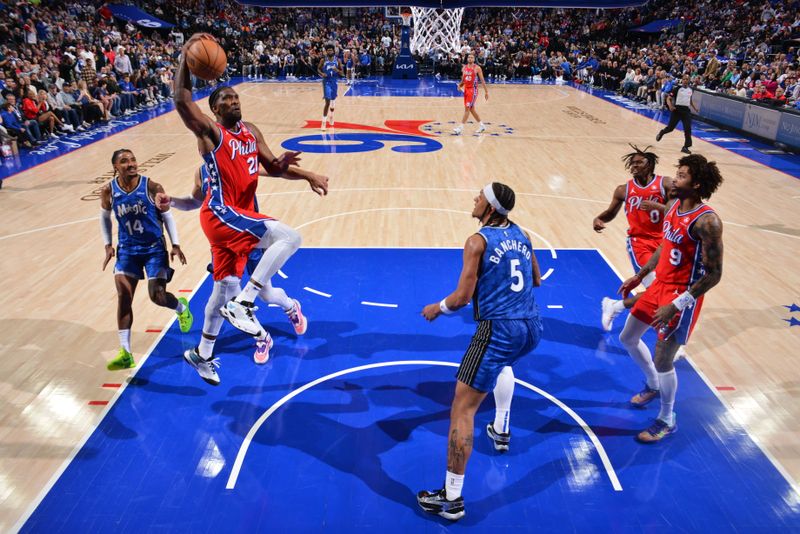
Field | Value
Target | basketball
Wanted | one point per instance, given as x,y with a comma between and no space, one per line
206,59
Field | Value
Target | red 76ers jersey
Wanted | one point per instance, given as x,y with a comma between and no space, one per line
233,169
469,77
681,261
644,224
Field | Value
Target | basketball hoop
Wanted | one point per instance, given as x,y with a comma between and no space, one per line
406,16
436,29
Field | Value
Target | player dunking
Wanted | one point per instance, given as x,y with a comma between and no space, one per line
233,150
687,264
643,198
470,74
213,319
140,248
501,271
330,69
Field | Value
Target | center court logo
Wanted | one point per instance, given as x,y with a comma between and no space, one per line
403,136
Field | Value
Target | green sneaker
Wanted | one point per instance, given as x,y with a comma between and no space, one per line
185,319
124,360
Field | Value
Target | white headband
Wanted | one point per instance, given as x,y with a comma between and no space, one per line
488,192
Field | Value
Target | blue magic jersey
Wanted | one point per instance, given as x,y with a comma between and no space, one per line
139,221
331,70
505,279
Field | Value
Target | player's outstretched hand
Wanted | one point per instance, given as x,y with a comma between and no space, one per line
288,158
598,225
629,285
176,251
162,201
109,255
431,311
318,183
486,95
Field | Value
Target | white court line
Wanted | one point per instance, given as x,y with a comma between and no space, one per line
42,494
312,290
237,464
47,228
378,304
369,210
282,275
728,408
555,306
546,275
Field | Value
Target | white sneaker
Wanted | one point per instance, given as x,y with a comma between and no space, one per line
608,313
481,129
261,354
324,126
681,353
241,316
205,368
457,130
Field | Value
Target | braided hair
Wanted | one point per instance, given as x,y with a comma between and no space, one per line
651,157
506,197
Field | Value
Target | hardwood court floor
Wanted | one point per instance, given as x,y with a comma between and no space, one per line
57,308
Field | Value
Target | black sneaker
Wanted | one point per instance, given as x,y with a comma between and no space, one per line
500,440
686,150
435,502
659,135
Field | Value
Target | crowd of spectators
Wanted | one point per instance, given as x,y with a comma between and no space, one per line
68,65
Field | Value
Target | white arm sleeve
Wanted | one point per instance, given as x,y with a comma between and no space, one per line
105,225
172,230
185,203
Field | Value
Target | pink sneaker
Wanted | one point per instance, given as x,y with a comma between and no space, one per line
297,319
261,354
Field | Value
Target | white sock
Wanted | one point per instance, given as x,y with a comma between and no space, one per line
248,294
453,484
324,119
206,348
669,386
617,307
503,393
631,339
180,308
125,339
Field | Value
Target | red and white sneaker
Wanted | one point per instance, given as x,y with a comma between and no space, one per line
297,319
261,354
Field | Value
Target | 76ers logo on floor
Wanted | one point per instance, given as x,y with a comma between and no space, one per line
404,136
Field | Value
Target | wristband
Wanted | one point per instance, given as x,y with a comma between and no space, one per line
444,308
684,300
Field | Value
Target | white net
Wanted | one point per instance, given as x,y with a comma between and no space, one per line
436,29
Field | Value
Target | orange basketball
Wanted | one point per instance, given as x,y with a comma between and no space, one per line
206,59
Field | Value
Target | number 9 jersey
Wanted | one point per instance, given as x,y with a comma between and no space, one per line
505,278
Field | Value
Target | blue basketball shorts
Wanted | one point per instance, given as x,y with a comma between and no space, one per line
330,90
496,344
155,264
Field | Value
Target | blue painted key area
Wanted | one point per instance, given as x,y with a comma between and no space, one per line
349,453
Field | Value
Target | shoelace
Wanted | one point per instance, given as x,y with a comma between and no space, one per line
213,362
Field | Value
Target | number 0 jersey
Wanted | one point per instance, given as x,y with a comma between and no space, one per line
505,278
681,260
644,224
139,221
